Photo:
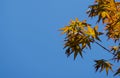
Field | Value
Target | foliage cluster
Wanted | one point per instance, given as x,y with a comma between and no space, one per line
80,34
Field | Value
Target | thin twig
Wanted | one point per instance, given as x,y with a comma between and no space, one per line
103,47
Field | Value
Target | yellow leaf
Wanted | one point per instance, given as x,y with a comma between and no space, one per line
107,68
91,32
83,45
72,22
96,27
77,20
103,14
65,29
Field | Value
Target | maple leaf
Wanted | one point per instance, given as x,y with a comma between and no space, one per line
103,65
117,72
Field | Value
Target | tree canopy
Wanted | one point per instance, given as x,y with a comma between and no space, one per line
80,34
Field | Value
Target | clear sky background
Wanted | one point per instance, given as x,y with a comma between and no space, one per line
31,45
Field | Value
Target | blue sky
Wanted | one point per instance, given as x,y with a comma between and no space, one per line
31,45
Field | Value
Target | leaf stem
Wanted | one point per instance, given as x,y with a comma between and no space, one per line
103,47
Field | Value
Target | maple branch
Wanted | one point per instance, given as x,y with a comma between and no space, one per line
103,47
